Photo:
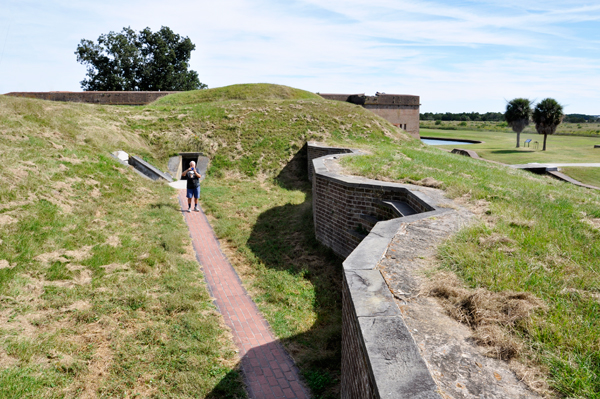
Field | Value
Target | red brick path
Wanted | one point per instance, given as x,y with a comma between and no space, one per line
268,370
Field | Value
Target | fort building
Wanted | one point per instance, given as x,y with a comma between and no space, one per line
400,110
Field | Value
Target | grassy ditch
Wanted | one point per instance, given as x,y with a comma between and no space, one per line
537,236
99,292
267,233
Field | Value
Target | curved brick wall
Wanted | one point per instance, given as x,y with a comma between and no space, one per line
379,356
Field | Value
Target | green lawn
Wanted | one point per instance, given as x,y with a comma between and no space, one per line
585,175
577,129
501,147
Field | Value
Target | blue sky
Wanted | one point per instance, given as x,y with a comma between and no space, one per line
458,56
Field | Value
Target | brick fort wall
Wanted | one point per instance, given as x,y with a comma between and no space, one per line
97,97
401,110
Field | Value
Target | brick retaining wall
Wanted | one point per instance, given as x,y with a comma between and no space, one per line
340,203
380,358
97,97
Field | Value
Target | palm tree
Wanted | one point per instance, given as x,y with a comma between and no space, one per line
547,115
517,115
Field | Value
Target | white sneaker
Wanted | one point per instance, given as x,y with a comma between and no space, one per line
189,209
197,209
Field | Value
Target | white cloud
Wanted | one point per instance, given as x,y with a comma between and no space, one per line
457,57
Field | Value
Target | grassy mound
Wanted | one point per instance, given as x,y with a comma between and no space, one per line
260,91
99,293
258,136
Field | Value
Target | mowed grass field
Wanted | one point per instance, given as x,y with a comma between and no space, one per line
578,129
501,147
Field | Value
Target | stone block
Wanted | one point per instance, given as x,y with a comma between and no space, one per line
398,368
148,170
370,294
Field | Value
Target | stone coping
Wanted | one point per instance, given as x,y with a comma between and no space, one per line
321,169
148,169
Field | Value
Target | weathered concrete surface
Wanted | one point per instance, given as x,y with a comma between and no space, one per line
380,359
121,156
457,364
174,167
147,169
400,370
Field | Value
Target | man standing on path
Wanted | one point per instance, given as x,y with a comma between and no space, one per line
193,185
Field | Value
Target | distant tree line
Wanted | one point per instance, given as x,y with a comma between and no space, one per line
581,118
497,117
463,116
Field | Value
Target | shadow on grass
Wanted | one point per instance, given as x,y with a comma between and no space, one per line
511,151
283,240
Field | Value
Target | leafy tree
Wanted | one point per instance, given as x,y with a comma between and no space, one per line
547,115
517,115
138,61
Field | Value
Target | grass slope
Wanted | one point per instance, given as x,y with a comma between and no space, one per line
135,278
244,92
585,175
99,292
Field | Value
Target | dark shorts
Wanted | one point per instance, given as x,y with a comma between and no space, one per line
193,192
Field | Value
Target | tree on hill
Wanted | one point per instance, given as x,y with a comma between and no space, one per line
547,115
134,61
517,115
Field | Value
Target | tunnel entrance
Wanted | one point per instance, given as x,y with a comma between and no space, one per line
187,157
181,162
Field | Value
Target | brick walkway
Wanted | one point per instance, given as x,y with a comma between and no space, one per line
268,370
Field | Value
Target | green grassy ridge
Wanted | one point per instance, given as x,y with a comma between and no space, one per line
255,137
150,322
551,251
244,92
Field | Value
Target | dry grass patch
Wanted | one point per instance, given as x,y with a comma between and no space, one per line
493,316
